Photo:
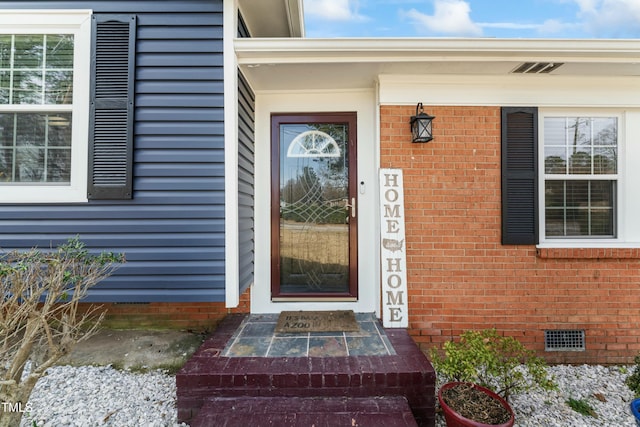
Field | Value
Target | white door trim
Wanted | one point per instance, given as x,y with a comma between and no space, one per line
363,102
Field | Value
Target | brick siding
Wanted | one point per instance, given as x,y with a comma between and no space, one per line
461,277
196,316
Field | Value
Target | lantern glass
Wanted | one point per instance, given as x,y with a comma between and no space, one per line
421,130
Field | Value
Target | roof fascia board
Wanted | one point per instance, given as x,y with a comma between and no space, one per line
295,15
278,50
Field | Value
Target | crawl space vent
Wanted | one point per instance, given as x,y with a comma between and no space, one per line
564,340
537,67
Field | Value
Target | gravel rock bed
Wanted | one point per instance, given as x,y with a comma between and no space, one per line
602,387
103,396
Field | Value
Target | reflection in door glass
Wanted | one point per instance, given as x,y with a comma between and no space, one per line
314,219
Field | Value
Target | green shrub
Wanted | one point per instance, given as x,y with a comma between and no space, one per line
499,363
633,380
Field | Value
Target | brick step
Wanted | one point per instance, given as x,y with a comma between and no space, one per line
207,375
388,411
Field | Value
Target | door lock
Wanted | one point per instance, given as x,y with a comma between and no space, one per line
352,206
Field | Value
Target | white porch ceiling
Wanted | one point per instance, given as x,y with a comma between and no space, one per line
307,64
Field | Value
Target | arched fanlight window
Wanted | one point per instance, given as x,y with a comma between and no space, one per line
313,143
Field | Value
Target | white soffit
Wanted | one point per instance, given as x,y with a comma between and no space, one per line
273,18
278,64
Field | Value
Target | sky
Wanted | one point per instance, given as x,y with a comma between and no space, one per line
549,19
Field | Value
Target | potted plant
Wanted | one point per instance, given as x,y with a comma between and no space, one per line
491,367
471,405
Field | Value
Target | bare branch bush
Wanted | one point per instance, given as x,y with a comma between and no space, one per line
39,319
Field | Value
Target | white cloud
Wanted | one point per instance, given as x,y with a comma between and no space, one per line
333,10
612,18
607,18
554,26
587,6
509,25
451,17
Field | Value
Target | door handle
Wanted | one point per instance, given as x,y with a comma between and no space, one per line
352,206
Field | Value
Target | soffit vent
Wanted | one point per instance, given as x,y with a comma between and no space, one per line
537,67
564,340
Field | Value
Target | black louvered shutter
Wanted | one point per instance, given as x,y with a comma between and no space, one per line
111,115
519,176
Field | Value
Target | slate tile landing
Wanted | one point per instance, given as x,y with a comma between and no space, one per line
209,380
257,336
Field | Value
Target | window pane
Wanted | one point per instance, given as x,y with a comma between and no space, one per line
35,144
580,162
555,132
42,146
579,208
6,130
575,222
577,193
30,130
60,51
555,160
578,132
30,164
554,222
28,52
33,75
5,88
554,194
5,51
602,193
604,161
59,165
27,87
6,165
59,131
58,87
605,131
601,222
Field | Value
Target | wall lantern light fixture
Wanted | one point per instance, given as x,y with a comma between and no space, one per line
421,130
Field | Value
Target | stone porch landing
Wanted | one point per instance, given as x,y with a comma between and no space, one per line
330,390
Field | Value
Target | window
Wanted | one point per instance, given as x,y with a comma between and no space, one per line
580,176
44,105
570,179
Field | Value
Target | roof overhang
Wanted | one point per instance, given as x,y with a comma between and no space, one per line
273,18
296,64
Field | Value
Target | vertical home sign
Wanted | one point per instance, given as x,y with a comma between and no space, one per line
393,250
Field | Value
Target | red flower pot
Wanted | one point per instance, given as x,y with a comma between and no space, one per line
454,419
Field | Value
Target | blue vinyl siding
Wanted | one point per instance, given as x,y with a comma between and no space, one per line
172,230
246,161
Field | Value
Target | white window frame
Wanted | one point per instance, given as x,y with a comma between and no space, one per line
78,23
620,205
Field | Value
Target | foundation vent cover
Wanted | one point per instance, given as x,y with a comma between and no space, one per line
564,340
537,67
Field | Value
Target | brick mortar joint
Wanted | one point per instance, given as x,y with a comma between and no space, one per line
588,253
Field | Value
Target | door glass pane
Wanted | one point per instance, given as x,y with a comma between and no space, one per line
314,228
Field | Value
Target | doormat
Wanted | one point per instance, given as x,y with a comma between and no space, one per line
317,321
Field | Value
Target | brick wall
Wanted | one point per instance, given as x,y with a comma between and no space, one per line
196,316
460,276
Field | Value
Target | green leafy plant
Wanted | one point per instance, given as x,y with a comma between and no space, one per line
633,380
39,317
581,406
499,363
